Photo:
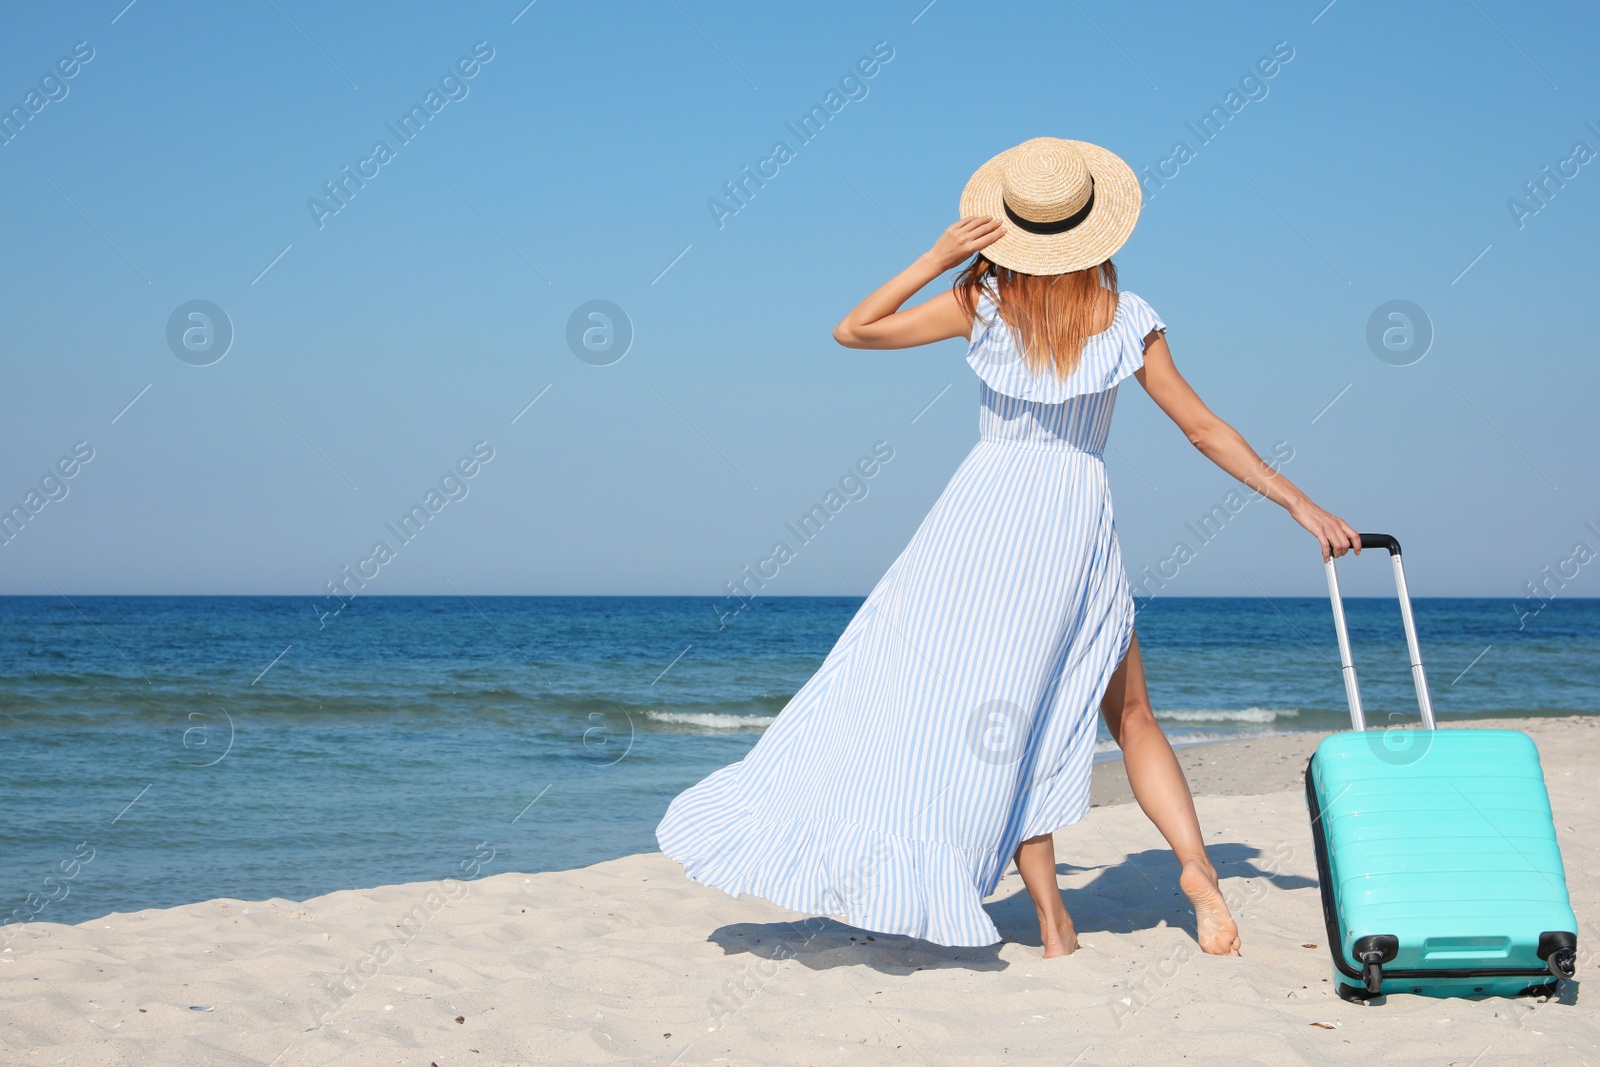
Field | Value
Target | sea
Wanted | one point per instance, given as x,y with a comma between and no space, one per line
165,750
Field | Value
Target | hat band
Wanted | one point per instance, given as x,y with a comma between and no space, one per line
1060,225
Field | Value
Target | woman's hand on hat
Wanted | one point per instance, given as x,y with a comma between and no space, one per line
962,239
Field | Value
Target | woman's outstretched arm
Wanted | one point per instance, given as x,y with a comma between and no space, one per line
1224,446
878,322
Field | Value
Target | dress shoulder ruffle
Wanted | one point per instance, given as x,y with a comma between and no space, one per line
1108,356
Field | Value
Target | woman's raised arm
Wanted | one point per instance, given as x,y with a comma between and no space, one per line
1227,448
878,322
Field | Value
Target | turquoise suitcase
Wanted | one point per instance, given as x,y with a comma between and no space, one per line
1435,849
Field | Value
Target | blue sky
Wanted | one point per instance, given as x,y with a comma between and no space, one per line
374,347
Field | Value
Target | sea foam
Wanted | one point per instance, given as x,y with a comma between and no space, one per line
711,720
1251,715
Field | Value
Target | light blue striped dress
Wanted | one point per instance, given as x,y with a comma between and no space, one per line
956,716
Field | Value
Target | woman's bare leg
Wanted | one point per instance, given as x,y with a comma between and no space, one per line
1163,792
1036,862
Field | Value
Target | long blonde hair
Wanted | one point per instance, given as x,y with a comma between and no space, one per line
1050,315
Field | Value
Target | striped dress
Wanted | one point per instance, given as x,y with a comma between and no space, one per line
956,716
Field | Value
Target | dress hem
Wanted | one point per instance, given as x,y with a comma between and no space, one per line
890,883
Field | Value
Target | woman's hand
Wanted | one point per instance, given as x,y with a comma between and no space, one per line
962,239
1336,535
878,322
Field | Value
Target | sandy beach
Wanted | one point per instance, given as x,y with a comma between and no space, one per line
629,962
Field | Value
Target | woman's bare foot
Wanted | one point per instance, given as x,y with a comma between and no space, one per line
1059,936
1036,863
1214,925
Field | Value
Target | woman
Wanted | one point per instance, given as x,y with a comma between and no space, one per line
952,727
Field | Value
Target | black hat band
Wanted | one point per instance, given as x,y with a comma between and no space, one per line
1060,225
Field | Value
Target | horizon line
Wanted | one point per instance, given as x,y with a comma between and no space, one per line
723,596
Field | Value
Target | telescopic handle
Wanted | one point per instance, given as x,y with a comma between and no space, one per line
1419,678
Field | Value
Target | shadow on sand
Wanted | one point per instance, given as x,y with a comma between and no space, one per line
1140,893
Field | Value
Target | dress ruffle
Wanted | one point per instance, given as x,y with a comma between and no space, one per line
867,878
1108,356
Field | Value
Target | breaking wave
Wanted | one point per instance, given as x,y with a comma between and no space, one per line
711,720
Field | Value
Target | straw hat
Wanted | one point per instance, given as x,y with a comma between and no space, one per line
1065,205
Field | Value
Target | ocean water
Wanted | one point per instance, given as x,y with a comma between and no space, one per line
162,750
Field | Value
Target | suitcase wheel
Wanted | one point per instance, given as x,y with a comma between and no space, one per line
1374,951
1559,950
1353,993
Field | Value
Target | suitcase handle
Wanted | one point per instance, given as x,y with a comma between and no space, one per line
1380,541
1352,690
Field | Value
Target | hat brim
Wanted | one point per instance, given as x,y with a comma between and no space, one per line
1117,200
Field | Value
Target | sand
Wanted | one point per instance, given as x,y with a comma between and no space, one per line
629,962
